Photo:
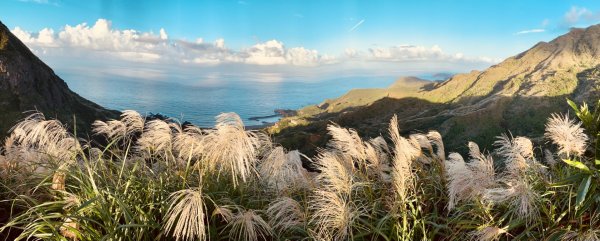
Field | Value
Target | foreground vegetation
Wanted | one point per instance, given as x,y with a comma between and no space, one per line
158,180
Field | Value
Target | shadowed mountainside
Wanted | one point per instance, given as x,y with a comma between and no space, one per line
516,94
26,83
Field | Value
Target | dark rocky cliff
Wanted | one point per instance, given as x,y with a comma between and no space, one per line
27,83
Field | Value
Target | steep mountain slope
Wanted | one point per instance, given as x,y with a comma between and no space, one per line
403,87
516,94
26,83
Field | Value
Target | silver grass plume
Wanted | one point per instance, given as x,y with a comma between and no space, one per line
248,226
436,138
230,148
224,212
113,129
333,215
348,143
567,134
377,153
458,179
335,172
45,136
489,233
185,216
187,143
131,123
284,214
519,194
422,143
467,181
474,151
156,138
36,131
482,167
517,153
404,154
282,170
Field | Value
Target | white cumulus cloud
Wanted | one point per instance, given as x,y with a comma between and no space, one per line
101,42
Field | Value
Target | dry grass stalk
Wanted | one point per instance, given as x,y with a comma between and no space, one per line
248,226
404,154
185,216
284,214
335,172
282,170
69,229
58,180
231,149
489,233
333,215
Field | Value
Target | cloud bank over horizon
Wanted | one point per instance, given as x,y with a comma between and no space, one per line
101,42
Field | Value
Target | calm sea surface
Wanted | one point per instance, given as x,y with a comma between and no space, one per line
199,101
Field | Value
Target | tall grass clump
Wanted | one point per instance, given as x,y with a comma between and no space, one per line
158,180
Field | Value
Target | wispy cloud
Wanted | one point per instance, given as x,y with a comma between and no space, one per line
298,15
241,2
579,15
356,25
48,2
545,22
537,30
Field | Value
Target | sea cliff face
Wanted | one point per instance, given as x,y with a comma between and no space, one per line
27,83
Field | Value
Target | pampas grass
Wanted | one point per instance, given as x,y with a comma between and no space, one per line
333,215
489,233
282,171
158,180
131,123
156,138
285,214
248,226
567,134
230,149
335,173
520,196
185,217
404,154
516,152
468,181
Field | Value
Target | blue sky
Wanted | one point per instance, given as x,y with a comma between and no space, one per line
455,35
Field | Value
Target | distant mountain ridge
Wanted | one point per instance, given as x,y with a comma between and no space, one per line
516,94
27,83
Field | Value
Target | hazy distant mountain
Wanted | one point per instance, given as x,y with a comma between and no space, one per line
26,83
516,94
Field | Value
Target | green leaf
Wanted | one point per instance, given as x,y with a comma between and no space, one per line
573,105
577,164
583,189
569,180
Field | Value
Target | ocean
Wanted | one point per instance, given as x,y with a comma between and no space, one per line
199,101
